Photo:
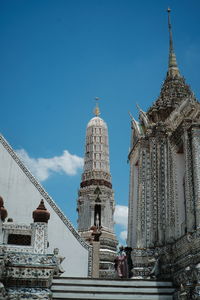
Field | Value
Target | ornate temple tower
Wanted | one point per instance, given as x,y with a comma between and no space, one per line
164,197
95,204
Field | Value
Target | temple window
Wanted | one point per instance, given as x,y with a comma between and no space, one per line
19,239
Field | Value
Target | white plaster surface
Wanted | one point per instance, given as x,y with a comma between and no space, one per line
21,197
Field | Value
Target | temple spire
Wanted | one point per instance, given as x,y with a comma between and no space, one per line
95,204
173,66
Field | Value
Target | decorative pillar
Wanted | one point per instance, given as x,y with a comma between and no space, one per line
133,198
195,132
172,210
143,216
95,269
170,220
39,227
96,233
162,188
189,202
140,231
154,175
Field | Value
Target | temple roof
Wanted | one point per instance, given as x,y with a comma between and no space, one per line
173,92
174,89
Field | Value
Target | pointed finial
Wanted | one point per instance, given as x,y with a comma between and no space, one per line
97,110
137,105
171,49
41,214
131,116
172,67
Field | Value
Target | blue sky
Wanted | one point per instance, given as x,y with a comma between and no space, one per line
57,56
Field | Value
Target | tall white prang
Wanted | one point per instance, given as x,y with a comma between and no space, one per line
95,204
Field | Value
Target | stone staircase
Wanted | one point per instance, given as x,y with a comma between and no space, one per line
86,288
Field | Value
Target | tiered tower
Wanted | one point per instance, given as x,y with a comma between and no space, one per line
96,203
164,199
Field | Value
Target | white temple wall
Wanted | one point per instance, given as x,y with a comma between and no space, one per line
21,197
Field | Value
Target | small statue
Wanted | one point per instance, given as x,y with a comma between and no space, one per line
2,292
121,263
97,222
156,268
58,259
96,229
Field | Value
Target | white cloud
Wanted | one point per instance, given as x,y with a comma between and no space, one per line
123,235
42,168
121,218
121,215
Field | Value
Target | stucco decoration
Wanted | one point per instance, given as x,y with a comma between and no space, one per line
164,198
29,294
26,271
35,190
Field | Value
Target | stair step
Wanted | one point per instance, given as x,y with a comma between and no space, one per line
108,289
102,289
103,282
88,296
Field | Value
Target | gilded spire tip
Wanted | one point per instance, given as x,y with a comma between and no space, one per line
97,110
